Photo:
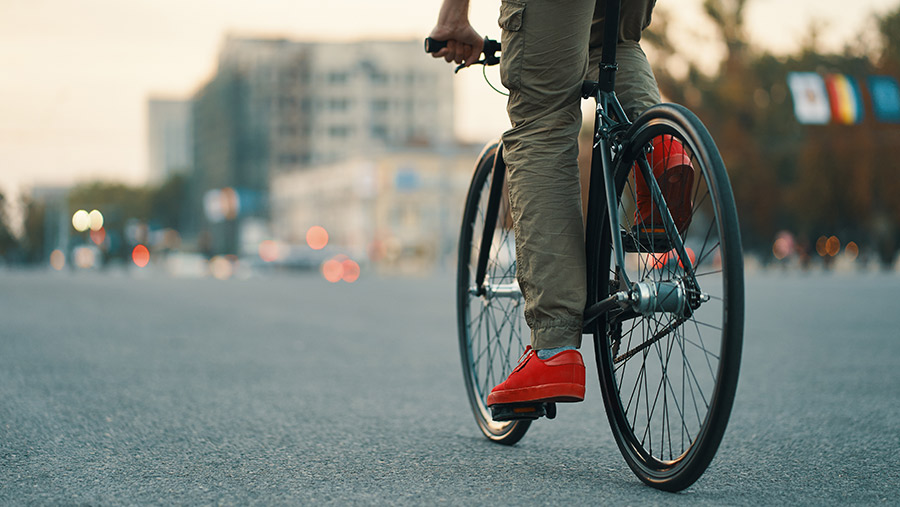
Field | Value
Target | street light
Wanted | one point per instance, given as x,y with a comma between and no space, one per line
81,220
96,220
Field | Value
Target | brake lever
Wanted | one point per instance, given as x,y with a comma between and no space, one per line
491,47
463,66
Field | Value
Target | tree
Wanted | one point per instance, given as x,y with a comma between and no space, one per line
168,202
8,242
32,243
119,204
811,180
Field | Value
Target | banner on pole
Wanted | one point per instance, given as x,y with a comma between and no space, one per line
846,99
811,105
885,98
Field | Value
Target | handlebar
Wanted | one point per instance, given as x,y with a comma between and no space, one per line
491,48
434,45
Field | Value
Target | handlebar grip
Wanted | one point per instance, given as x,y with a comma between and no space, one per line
433,46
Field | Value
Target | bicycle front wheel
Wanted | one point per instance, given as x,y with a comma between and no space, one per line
669,368
490,317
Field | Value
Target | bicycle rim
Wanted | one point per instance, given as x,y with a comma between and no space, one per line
669,377
492,329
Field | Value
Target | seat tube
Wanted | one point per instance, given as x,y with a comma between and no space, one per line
594,220
610,39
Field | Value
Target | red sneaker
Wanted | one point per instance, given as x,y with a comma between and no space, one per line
675,176
558,379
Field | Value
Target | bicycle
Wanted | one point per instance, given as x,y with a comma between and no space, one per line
665,305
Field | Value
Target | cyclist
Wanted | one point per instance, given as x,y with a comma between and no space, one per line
549,49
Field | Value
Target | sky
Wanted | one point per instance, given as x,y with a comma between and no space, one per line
75,75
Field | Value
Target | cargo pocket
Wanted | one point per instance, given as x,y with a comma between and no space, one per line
512,14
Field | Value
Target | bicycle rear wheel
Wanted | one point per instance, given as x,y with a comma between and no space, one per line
491,322
669,372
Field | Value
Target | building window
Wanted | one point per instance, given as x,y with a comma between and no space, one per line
338,104
380,132
337,77
288,158
380,106
339,131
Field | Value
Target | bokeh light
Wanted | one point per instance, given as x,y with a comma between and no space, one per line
98,236
783,246
84,257
779,249
269,251
140,255
81,220
96,220
221,268
350,271
57,260
333,270
851,251
820,246
230,203
317,237
833,246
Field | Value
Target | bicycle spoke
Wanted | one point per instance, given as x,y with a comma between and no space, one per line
665,397
717,328
700,336
701,348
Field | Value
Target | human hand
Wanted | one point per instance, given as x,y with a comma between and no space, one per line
464,45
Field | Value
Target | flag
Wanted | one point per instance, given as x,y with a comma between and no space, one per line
811,104
846,101
885,98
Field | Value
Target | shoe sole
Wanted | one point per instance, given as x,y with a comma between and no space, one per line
547,393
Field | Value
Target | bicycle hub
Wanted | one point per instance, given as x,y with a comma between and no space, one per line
653,297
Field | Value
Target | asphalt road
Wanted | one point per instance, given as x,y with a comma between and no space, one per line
291,390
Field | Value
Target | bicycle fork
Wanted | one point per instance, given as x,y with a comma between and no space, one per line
640,297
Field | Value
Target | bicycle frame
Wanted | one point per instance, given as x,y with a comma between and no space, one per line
609,121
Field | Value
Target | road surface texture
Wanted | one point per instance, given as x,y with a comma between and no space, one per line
117,389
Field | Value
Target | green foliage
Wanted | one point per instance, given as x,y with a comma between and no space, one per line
169,202
889,31
32,241
157,206
117,202
8,242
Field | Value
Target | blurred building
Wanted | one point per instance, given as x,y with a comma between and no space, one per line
169,137
401,210
56,225
278,106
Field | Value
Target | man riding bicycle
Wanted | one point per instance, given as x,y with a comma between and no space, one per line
549,49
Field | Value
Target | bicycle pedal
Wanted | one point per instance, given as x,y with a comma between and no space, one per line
655,241
523,411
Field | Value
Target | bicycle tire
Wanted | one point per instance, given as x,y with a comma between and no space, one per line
689,365
490,328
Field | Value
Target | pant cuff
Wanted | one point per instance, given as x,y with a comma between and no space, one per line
557,334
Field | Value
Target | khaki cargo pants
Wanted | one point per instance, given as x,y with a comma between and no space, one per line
547,47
